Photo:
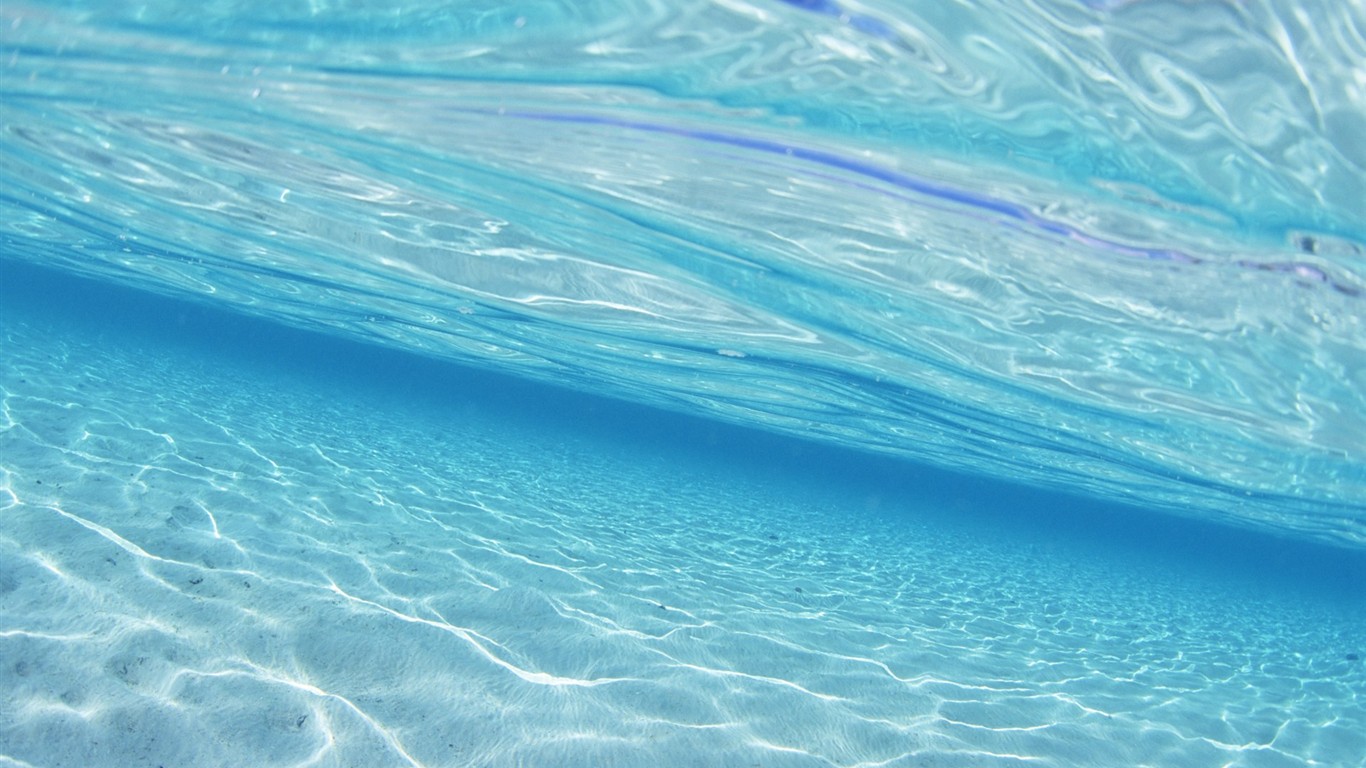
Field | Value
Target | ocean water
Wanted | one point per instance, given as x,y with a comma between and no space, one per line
725,383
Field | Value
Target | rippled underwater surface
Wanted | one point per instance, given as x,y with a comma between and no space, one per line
950,257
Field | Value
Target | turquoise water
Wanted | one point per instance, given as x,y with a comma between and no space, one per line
718,383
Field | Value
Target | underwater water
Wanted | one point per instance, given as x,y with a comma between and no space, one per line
699,383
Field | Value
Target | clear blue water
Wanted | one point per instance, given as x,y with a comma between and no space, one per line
717,383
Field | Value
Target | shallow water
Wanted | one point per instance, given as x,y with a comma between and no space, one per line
729,383
990,239
220,551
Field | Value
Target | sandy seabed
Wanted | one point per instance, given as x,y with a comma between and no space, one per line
206,561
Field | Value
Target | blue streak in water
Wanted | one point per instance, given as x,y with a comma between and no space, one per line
1012,211
861,22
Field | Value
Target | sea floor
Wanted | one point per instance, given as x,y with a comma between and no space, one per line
241,552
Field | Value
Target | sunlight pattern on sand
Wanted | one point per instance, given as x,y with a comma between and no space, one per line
343,579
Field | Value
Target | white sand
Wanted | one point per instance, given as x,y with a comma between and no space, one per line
205,564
